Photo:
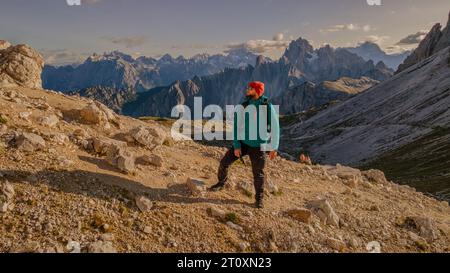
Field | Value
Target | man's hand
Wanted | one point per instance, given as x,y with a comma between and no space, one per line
273,155
238,153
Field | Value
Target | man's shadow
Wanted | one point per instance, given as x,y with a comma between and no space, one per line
106,186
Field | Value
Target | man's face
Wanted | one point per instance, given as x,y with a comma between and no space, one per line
251,92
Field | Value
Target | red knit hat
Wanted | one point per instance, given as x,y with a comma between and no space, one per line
258,86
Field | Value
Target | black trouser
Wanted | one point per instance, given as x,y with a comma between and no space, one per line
258,159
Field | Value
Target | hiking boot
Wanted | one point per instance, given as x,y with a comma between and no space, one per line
259,204
217,187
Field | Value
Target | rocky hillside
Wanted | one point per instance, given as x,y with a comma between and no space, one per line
299,64
123,72
406,109
76,177
309,95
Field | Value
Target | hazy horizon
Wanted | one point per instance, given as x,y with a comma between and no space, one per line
69,34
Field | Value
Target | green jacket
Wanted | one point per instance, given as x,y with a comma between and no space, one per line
241,129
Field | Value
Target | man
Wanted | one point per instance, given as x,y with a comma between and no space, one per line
246,144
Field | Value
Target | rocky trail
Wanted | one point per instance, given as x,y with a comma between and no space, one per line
77,177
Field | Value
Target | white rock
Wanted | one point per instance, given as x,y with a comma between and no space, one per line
196,186
150,137
29,142
217,213
325,212
49,121
143,203
73,247
102,247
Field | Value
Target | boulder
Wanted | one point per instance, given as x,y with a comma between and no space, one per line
92,114
154,160
29,142
301,215
121,158
325,212
424,226
143,203
101,145
149,137
20,66
196,186
375,176
49,121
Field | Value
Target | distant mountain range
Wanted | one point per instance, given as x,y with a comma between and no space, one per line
121,71
372,51
299,64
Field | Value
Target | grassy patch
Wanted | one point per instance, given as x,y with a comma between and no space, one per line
422,164
232,217
167,122
3,120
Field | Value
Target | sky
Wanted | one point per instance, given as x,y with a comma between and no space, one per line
68,34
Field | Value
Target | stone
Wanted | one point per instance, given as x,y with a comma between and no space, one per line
25,115
80,133
426,227
20,65
335,244
154,160
29,142
60,138
375,176
91,114
235,226
373,247
245,187
73,247
271,187
102,247
216,213
143,203
125,162
102,145
149,137
7,190
49,121
196,186
107,237
301,215
147,230
324,211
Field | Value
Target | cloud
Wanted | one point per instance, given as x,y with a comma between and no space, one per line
347,27
278,37
413,38
261,46
62,56
128,42
376,39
